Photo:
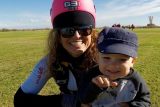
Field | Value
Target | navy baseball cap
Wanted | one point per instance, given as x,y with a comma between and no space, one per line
114,40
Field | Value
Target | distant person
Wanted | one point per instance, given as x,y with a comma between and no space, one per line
118,25
114,83
123,27
114,25
71,45
132,26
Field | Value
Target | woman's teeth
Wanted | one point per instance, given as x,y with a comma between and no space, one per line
77,43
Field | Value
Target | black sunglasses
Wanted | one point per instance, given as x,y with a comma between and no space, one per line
70,31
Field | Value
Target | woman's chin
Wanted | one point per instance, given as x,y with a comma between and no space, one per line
76,53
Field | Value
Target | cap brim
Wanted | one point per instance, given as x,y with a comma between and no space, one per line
118,49
74,18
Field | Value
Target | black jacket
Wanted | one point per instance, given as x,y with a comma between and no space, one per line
132,90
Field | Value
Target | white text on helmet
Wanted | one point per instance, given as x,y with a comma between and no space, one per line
71,5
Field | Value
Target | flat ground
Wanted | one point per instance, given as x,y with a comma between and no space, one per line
20,50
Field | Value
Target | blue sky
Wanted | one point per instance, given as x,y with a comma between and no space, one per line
35,13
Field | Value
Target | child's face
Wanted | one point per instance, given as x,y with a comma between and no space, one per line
115,66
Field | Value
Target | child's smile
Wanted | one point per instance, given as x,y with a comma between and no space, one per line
115,66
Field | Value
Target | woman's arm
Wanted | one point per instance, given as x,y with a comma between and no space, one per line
22,99
37,79
27,94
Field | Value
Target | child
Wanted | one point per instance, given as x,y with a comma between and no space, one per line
114,83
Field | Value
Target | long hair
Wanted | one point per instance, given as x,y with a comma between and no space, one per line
53,49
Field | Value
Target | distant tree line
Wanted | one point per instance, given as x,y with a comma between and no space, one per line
6,30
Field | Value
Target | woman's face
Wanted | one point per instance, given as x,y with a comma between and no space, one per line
77,44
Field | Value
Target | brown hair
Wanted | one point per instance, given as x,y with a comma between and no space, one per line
54,43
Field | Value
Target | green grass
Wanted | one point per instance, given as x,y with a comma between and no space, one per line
20,50
149,60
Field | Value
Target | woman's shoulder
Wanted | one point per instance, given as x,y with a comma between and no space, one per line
42,65
43,61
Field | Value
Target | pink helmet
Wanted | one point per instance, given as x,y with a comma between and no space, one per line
66,13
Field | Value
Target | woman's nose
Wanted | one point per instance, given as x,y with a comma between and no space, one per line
77,35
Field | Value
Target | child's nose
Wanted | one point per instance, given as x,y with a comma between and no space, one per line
113,64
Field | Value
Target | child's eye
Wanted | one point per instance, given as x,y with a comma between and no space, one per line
107,58
123,60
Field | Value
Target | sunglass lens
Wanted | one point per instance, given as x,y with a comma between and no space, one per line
85,31
67,32
70,31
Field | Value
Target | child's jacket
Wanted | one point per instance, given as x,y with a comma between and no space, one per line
131,89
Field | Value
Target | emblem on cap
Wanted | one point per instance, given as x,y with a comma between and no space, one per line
71,5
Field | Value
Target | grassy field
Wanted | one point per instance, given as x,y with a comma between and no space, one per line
20,50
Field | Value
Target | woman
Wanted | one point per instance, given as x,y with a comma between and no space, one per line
71,52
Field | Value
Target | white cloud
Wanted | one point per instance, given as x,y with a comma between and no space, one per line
27,20
115,9
108,11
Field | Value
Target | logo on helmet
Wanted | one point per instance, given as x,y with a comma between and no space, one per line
71,5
